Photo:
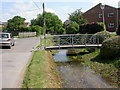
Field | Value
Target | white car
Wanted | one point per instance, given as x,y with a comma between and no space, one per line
6,39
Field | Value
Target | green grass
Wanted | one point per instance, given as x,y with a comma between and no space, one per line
109,69
35,73
47,42
41,72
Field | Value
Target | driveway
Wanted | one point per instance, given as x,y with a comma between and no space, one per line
15,60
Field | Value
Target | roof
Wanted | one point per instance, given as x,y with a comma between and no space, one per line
99,5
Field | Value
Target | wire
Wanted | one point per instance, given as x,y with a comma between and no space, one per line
36,5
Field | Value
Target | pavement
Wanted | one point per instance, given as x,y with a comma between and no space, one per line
14,61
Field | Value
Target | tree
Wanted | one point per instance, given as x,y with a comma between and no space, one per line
53,23
61,30
72,28
38,29
15,23
77,17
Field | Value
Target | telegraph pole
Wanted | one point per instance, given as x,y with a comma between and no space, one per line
44,24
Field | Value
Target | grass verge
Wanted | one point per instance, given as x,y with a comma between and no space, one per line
109,69
41,72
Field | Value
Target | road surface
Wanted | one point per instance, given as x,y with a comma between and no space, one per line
15,60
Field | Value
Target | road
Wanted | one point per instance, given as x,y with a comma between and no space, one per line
15,60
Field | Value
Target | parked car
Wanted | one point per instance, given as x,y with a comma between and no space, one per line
6,39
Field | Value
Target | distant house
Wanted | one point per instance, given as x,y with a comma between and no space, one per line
111,16
27,24
2,24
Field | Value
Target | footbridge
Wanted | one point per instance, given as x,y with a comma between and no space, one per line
72,41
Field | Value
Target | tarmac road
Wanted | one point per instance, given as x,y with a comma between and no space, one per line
15,60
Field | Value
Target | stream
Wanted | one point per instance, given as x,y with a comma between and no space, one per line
74,75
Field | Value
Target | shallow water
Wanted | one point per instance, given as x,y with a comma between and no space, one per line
61,56
75,75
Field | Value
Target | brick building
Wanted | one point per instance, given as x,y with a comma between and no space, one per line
119,12
111,15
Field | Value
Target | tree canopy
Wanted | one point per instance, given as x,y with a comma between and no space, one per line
72,28
77,17
53,23
15,23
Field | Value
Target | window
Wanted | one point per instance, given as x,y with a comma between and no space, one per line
100,15
3,35
110,14
111,25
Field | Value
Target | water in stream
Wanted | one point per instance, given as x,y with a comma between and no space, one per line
74,75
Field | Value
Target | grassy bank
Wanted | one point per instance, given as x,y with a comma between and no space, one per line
109,69
41,72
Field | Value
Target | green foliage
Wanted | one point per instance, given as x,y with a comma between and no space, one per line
23,29
53,23
4,28
91,28
118,30
15,23
103,35
72,28
77,17
102,25
38,29
111,48
61,30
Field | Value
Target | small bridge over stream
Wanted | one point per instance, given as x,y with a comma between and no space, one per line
72,41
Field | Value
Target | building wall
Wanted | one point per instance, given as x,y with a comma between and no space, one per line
118,16
92,15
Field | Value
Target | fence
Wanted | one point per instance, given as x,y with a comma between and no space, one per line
71,39
27,34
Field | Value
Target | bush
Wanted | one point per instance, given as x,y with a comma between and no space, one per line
23,29
61,31
103,35
110,48
72,28
92,28
38,29
118,30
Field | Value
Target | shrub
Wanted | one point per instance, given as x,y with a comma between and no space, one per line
92,28
38,29
23,29
103,35
61,31
103,25
118,30
110,48
72,28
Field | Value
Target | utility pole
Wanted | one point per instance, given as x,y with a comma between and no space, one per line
103,12
44,24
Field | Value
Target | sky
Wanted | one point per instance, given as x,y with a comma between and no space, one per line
29,9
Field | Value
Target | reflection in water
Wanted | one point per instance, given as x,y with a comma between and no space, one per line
61,56
74,75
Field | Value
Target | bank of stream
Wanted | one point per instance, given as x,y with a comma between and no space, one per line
76,75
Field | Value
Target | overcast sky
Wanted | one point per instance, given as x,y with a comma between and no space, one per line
30,8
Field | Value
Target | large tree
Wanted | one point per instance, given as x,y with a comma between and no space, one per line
77,17
72,28
53,23
15,23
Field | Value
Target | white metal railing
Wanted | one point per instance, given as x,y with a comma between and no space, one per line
72,39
